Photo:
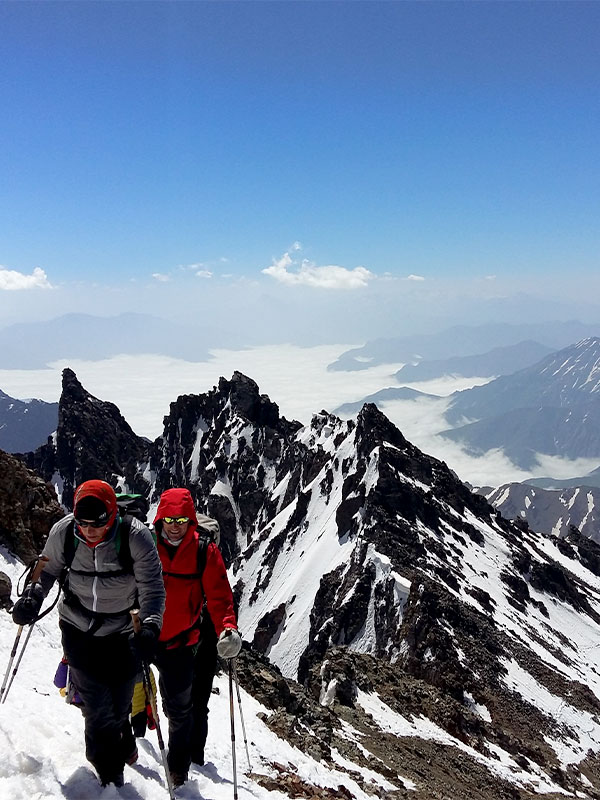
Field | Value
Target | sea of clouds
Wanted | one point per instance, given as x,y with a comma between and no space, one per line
297,379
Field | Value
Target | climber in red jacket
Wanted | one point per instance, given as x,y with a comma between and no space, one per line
190,580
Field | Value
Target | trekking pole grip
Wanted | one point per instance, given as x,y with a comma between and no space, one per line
135,618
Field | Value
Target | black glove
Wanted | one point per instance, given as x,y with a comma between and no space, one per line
27,607
145,641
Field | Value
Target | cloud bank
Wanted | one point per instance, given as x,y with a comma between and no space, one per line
11,280
309,274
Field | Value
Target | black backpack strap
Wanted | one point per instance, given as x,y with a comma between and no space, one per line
203,541
123,546
70,545
125,559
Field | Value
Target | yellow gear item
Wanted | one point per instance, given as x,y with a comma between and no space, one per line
138,701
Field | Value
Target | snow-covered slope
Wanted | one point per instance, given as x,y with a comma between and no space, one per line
550,511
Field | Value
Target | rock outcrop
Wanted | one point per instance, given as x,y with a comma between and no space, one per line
28,508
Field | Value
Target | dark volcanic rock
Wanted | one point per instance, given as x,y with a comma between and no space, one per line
267,627
28,508
5,592
93,440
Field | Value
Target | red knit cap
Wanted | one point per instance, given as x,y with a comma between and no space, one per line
99,490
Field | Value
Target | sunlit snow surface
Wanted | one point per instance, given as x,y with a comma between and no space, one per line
42,746
41,737
504,767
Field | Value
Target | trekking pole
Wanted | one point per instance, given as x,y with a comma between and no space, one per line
239,697
35,574
4,695
235,794
151,698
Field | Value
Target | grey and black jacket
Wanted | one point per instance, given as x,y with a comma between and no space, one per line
97,603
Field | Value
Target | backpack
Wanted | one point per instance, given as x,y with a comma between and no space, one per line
135,505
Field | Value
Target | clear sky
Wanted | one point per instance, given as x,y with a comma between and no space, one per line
370,149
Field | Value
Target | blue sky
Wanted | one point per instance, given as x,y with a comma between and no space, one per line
339,146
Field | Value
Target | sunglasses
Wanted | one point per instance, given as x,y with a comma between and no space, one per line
84,523
176,520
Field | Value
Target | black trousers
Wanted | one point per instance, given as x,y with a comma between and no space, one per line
176,671
103,669
205,667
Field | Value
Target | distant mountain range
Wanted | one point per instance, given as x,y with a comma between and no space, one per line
460,341
33,345
552,407
498,361
25,424
589,479
547,511
382,396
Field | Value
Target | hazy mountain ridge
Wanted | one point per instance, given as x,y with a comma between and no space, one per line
33,345
343,534
498,361
25,424
382,396
568,377
461,341
552,407
524,433
589,479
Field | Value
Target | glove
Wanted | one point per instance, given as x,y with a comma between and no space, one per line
229,644
27,607
145,641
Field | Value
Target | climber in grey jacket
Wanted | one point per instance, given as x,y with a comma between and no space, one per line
102,585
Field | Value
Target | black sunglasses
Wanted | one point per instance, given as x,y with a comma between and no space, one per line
176,520
82,523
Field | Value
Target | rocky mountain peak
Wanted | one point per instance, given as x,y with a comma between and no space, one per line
93,440
375,428
246,400
71,387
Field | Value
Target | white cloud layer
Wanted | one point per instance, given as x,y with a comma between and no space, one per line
308,274
11,280
297,379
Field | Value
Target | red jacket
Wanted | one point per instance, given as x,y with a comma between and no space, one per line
186,595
